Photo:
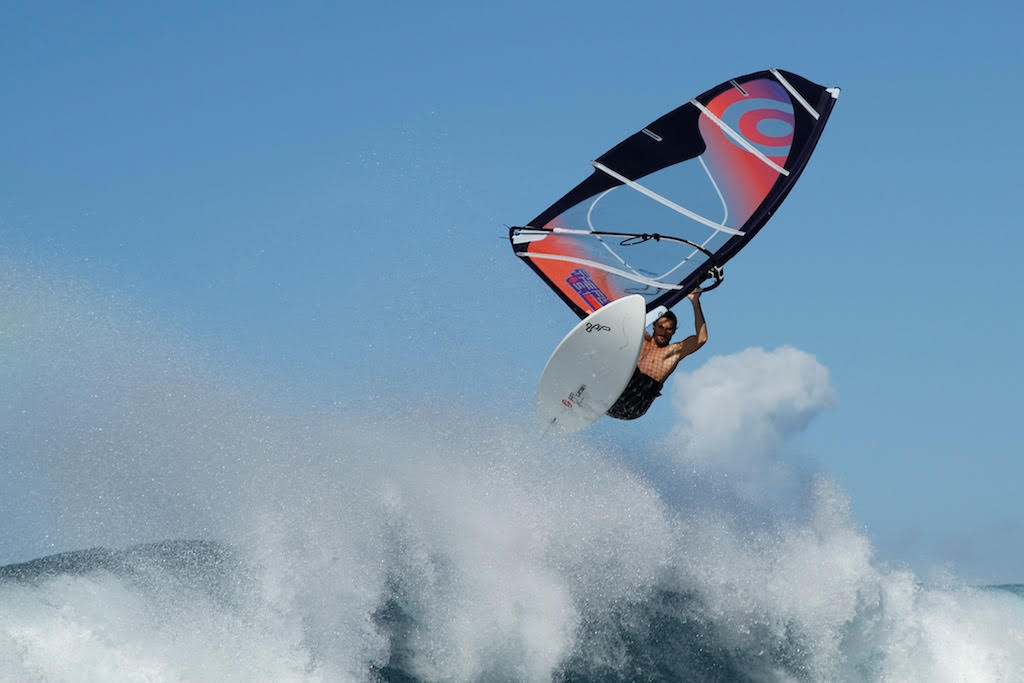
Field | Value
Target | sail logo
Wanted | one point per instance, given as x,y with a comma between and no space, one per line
584,285
763,117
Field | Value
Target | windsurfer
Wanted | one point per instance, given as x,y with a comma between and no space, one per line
658,359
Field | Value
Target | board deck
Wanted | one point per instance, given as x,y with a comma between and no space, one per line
591,366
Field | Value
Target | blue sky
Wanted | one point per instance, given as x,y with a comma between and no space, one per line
317,195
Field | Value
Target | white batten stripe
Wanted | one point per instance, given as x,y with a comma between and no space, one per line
667,202
600,266
524,236
739,138
795,94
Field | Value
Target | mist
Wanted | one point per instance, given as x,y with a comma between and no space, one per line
206,530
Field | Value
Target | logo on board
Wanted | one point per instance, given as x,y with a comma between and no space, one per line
574,397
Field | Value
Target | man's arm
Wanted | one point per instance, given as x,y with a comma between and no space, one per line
700,328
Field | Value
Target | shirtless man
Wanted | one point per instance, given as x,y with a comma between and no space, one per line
659,359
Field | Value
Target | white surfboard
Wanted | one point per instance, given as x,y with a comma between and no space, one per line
591,366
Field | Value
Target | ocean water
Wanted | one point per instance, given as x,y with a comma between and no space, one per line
205,611
184,530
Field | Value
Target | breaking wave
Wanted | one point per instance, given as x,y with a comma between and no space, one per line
430,545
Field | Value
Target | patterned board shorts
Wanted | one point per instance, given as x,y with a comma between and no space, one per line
637,397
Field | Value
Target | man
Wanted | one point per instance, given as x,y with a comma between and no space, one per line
659,359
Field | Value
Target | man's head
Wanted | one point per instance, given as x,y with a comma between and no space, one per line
664,327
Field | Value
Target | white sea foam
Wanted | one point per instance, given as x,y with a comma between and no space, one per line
431,543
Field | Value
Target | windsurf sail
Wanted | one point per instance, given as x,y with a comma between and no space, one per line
667,207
